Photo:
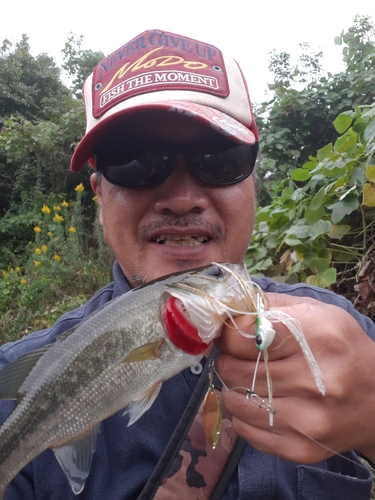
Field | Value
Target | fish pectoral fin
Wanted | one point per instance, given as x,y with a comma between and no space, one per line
139,407
145,352
14,374
75,460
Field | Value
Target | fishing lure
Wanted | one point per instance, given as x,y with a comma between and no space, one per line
251,302
212,411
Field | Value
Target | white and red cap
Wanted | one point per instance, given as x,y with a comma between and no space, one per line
158,70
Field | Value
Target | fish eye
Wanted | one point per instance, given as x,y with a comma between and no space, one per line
214,272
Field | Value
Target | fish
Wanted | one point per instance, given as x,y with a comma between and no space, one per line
115,359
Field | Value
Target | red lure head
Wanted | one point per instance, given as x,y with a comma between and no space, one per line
180,330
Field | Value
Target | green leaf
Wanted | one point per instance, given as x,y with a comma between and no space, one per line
323,280
325,152
314,215
360,125
343,207
342,123
346,143
300,174
298,231
319,228
338,231
309,165
319,265
318,199
329,277
292,240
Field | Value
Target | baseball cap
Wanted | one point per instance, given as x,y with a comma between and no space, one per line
162,71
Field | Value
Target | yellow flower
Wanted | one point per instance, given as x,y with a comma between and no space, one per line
5,273
37,229
44,248
72,229
58,218
79,188
18,269
57,208
65,204
49,234
45,209
38,251
23,281
36,263
95,199
57,258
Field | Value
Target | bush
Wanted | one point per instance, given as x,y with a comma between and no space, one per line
320,228
61,270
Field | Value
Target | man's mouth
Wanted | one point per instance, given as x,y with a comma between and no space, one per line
175,240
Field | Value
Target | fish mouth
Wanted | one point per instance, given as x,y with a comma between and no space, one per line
181,240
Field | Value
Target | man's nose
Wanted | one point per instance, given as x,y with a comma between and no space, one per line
181,192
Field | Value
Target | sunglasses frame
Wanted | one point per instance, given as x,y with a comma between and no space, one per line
222,146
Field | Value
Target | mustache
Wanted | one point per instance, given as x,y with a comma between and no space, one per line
170,221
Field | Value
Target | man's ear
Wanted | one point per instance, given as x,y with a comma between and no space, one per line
96,188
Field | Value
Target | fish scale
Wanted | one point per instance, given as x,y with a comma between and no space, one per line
116,358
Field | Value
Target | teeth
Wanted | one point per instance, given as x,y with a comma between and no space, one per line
181,240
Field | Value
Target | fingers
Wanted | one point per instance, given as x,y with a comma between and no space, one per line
303,415
290,377
238,338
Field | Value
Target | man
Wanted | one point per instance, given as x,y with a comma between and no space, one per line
171,134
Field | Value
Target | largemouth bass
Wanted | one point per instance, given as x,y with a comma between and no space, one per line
116,358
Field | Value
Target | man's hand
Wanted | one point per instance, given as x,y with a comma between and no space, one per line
341,420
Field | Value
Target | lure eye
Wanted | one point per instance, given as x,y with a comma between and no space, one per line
259,341
264,333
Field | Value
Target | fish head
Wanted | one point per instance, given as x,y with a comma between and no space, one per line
196,306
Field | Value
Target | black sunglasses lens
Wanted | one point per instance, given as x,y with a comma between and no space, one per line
148,164
224,168
146,170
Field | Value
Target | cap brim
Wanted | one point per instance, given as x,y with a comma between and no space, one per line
212,118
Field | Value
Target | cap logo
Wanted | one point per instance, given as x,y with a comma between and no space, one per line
176,63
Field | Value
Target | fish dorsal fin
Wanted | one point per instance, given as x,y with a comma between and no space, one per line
14,374
139,407
144,352
75,460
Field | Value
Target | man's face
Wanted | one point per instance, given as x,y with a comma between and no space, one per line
182,223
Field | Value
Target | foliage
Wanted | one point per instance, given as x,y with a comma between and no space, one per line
296,121
36,161
30,86
79,63
42,123
315,222
60,272
320,227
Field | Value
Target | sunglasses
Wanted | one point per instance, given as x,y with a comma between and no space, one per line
148,163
